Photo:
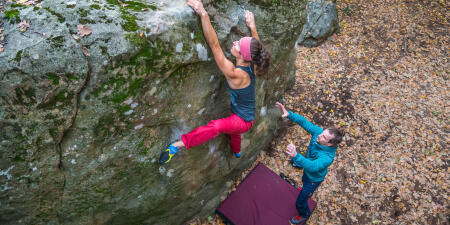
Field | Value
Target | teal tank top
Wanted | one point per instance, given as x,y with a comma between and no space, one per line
243,100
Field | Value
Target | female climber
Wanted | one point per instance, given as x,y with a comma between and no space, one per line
250,55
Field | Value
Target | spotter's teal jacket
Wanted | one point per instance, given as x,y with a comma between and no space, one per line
318,157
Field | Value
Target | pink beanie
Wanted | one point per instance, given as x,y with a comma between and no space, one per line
244,46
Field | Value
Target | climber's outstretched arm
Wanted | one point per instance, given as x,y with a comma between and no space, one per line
225,65
250,20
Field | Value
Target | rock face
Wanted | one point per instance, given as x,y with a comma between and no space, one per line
322,21
83,119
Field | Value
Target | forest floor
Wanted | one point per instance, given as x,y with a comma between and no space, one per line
383,79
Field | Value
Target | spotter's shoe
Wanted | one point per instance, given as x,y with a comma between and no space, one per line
167,155
238,155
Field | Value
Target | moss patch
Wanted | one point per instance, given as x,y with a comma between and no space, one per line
20,154
60,17
25,96
12,15
119,97
19,6
135,39
72,77
154,55
54,78
18,56
57,41
83,12
123,109
121,93
135,84
86,21
104,125
63,96
130,22
104,50
198,35
95,6
133,5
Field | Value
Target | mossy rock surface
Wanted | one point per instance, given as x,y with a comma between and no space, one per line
81,133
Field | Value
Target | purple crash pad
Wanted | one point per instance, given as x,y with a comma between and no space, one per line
262,198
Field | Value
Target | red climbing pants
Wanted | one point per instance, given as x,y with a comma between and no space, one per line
233,126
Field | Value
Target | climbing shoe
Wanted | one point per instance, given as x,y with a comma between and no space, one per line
238,155
298,220
167,155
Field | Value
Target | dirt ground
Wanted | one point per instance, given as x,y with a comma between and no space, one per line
384,80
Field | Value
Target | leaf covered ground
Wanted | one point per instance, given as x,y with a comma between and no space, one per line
384,80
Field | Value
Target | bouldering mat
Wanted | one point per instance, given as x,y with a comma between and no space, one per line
262,198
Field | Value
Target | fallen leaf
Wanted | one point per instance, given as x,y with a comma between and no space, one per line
75,37
24,25
83,30
122,4
85,52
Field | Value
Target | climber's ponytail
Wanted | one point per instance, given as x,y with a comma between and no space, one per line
260,56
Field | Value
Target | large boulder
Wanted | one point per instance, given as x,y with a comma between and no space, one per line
83,119
322,21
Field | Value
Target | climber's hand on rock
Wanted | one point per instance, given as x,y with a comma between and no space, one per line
250,19
197,6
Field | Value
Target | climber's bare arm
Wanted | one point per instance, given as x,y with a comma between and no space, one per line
225,65
250,20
